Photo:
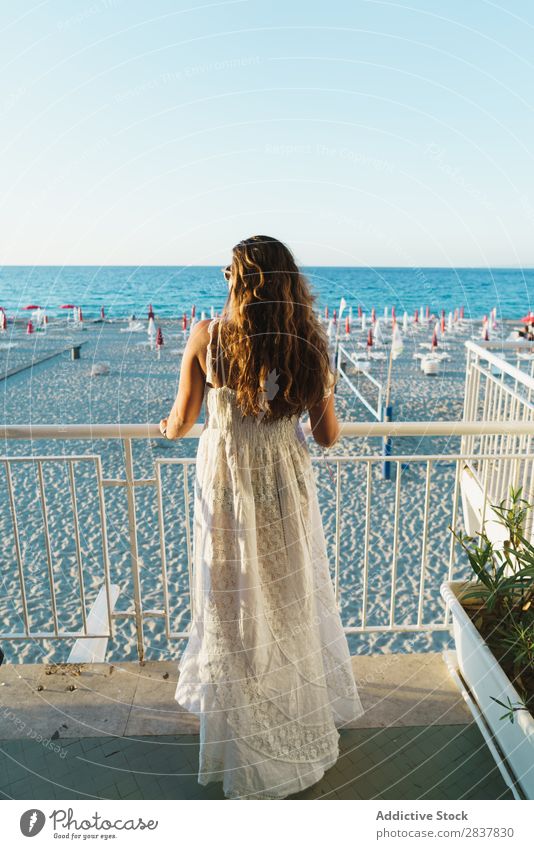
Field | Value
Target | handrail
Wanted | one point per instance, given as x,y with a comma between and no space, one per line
348,429
503,365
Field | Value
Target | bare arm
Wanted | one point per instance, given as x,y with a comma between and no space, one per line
323,422
188,402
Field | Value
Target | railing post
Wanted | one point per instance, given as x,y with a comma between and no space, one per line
386,445
134,554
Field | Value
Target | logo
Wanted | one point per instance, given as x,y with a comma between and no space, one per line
31,822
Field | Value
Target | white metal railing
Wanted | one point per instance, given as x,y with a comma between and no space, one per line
343,357
405,570
497,392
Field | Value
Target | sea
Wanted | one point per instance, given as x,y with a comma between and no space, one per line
172,290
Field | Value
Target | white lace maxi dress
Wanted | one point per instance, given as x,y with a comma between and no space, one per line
266,666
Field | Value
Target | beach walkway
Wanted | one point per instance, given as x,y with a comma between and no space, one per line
115,731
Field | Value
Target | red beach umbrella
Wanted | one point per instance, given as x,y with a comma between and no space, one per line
159,338
150,312
359,311
193,311
486,334
334,317
416,317
528,319
347,325
184,322
461,312
434,339
29,328
326,312
80,314
67,306
373,316
102,313
442,321
32,307
370,339
3,320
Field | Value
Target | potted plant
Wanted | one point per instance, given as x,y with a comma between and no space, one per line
493,626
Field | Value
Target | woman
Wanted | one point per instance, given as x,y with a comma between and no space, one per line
267,666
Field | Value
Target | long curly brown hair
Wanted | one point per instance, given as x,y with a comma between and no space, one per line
274,348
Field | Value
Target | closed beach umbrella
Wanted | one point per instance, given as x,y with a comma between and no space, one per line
462,312
347,326
203,316
334,317
184,322
385,313
396,342
80,315
373,315
405,322
364,321
428,312
159,338
102,313
330,329
435,338
416,317
342,307
3,321
150,312
486,334
393,314
422,313
450,321
442,322
151,330
456,315
212,312
193,311
29,328
360,311
326,313
370,339
378,338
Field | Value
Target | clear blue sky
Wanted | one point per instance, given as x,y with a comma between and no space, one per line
359,132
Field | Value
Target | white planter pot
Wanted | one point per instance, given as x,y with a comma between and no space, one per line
485,678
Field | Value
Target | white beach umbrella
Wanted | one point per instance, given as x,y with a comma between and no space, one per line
378,336
151,331
364,321
342,307
450,322
405,322
385,313
203,315
330,329
212,311
397,345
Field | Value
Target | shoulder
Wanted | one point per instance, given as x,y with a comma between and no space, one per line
199,335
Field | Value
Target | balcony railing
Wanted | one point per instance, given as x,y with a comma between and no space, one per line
69,585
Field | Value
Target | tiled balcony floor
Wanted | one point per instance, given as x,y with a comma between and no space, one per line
415,762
